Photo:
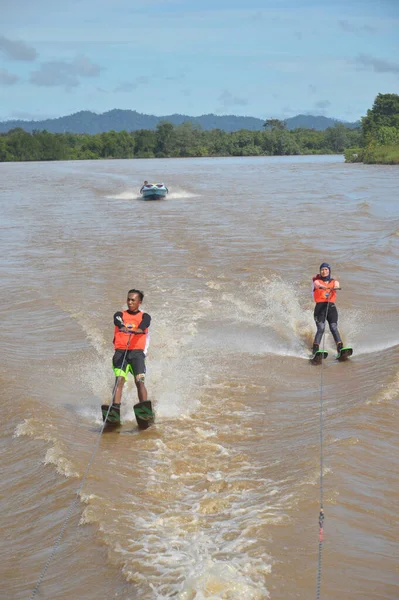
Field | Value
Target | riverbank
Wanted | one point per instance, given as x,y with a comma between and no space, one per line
373,154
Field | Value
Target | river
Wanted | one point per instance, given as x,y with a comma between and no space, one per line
220,499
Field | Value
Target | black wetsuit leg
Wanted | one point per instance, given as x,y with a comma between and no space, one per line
321,310
320,319
332,318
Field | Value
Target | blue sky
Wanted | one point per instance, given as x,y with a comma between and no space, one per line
261,58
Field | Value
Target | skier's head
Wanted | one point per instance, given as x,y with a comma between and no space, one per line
325,271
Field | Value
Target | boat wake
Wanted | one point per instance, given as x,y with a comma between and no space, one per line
128,195
135,195
180,195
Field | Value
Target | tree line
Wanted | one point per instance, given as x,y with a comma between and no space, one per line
379,139
169,141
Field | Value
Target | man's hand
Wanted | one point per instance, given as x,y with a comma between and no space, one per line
129,330
119,319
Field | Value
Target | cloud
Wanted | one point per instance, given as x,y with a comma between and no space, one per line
256,16
353,113
131,86
85,68
7,78
322,104
227,99
351,28
319,108
63,73
288,111
378,65
179,77
16,50
29,116
127,86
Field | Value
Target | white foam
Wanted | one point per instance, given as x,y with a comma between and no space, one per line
128,195
135,195
376,347
55,456
215,580
181,194
274,319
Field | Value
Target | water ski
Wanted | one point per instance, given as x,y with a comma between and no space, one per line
144,414
114,414
345,353
318,357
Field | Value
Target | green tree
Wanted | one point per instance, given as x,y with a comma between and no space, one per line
218,142
251,150
90,145
109,140
187,140
354,137
5,153
286,144
269,143
385,113
22,145
241,140
125,145
336,138
275,124
166,139
146,141
309,141
52,145
388,136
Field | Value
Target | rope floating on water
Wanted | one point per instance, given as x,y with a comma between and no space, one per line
321,514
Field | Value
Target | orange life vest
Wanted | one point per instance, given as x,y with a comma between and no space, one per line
320,295
138,341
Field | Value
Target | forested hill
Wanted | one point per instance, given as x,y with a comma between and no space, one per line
130,120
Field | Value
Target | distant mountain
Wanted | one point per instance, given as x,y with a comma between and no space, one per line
86,121
320,123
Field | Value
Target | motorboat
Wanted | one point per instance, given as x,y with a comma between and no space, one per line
153,191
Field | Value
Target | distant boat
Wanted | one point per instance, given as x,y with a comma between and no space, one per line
154,191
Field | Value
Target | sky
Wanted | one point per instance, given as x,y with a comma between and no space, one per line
259,58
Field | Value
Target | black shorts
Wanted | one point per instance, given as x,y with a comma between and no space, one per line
323,308
132,361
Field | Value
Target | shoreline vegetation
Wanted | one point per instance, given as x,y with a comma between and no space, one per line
170,141
379,141
376,141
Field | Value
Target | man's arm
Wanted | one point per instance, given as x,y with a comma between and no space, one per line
118,321
145,323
